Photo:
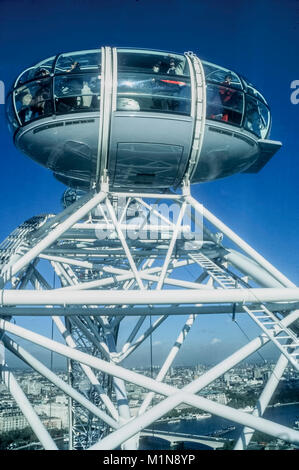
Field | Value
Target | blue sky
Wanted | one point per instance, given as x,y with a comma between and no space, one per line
259,39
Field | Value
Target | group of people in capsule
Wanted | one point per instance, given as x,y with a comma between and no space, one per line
155,93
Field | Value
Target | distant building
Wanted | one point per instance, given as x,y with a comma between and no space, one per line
32,387
226,378
52,423
218,397
12,419
53,410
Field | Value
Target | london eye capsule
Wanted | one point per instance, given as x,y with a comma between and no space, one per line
146,119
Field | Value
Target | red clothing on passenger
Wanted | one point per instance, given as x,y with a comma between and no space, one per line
226,93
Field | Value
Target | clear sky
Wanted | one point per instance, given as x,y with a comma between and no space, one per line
258,38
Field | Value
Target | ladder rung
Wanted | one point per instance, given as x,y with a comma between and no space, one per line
255,311
262,317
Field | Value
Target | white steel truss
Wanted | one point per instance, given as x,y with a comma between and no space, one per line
148,257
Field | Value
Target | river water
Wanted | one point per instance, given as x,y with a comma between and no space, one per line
283,414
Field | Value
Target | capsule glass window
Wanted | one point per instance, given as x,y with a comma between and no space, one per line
40,70
224,104
216,74
152,62
146,83
257,117
34,101
141,92
251,90
77,62
10,113
77,92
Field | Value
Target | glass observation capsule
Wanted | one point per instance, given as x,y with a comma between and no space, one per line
146,119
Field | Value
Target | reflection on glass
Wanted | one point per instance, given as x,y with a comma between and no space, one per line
145,62
10,113
251,90
142,92
257,117
83,61
77,92
224,103
34,100
42,69
216,74
147,81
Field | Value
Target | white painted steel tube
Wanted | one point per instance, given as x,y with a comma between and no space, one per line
134,297
176,398
25,406
169,360
221,368
56,232
124,244
260,424
247,433
131,311
61,384
171,247
241,243
87,370
249,267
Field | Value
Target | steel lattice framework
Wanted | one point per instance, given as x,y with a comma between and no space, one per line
119,255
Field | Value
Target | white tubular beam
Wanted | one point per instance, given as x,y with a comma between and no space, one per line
247,433
61,384
173,400
148,195
122,275
117,437
71,261
133,333
87,370
69,340
91,228
171,246
101,346
223,366
121,396
169,360
174,282
70,403
151,209
55,233
134,297
249,267
124,244
129,200
142,338
25,406
131,311
241,243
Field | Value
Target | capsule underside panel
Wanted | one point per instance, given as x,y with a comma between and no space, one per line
148,150
151,131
